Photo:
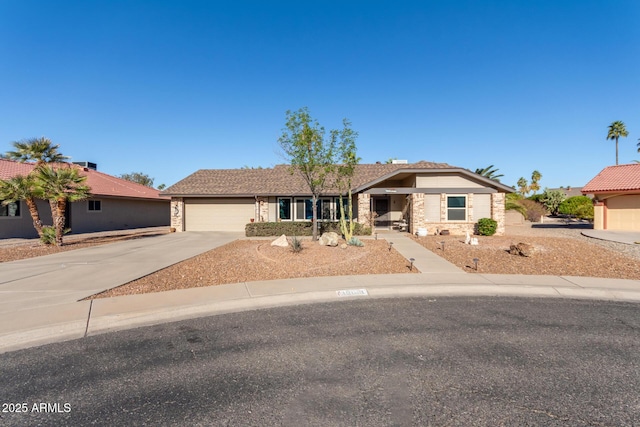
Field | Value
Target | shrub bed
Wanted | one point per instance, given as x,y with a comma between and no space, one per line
300,228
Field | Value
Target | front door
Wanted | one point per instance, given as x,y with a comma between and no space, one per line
381,208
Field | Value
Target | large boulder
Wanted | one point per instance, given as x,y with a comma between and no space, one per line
522,249
329,238
281,241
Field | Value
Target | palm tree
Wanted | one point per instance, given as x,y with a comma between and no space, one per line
616,130
38,150
61,185
489,172
41,150
535,178
22,188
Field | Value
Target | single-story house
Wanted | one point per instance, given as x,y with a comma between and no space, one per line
115,204
569,191
424,195
616,197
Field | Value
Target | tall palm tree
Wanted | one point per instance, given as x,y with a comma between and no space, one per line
61,185
489,172
22,188
40,150
617,130
535,178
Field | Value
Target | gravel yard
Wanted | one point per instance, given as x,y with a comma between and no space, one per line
560,251
251,260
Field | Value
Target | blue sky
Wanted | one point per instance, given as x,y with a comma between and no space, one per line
170,87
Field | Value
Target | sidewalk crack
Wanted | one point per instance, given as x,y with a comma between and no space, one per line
86,329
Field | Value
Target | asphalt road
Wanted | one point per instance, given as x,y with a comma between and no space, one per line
450,361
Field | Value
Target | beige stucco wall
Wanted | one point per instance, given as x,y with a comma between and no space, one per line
598,216
445,181
623,212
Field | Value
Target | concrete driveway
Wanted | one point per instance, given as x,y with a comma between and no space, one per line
39,291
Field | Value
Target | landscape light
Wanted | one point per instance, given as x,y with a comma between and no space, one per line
442,245
390,246
475,260
411,266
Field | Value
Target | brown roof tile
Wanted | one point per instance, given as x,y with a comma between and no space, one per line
275,181
614,179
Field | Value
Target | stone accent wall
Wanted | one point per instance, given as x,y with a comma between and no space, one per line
443,207
177,213
262,207
470,216
497,211
416,213
364,208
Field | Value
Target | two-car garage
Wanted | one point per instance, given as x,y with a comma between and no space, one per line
218,214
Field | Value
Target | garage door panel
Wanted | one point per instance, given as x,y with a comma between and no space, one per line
623,213
213,214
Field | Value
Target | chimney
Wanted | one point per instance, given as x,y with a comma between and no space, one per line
87,165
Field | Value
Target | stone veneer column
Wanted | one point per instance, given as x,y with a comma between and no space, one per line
471,216
497,211
177,213
443,207
417,215
364,208
262,209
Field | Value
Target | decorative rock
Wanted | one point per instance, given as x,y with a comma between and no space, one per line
281,241
473,241
467,240
329,238
522,249
343,246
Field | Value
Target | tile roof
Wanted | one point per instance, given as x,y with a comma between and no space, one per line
275,181
615,178
100,183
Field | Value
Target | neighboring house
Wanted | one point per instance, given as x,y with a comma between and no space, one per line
569,191
115,204
616,191
424,194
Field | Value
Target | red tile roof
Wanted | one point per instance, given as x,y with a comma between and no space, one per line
100,183
619,178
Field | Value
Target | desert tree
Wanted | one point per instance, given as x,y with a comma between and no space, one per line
304,145
60,185
138,178
617,129
523,186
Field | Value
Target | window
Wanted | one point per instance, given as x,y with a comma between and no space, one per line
11,210
456,208
345,201
284,209
304,209
95,205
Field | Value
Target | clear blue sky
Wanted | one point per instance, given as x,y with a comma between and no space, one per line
170,87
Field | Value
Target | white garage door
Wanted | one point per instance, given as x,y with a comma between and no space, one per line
623,213
218,214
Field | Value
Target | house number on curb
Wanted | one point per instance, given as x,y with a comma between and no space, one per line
352,293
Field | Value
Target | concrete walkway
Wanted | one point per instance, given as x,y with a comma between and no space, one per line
628,237
39,296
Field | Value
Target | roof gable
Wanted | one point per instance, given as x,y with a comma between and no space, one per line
614,179
100,183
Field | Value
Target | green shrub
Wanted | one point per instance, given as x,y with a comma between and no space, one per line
578,206
298,228
354,241
49,234
487,226
536,197
296,244
512,203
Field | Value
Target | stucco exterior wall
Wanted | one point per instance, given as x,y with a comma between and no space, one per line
119,214
22,225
